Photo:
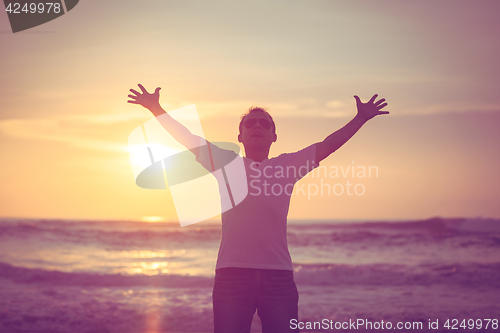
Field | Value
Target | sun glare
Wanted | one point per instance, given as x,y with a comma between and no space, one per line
143,155
153,219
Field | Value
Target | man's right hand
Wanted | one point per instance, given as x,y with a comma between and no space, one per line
149,101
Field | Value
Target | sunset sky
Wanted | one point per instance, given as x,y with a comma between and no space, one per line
65,120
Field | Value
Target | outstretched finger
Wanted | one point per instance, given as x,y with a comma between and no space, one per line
381,106
380,101
373,98
135,92
134,102
144,91
132,96
383,112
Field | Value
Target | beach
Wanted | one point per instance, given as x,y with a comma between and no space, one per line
125,276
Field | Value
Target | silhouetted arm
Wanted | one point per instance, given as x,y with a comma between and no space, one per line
178,131
334,141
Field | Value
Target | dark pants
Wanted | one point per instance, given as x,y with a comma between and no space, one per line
238,292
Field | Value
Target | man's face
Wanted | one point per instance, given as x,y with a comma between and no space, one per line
257,136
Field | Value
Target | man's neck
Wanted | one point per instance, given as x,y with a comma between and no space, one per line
257,155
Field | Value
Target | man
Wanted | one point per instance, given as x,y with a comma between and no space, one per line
254,268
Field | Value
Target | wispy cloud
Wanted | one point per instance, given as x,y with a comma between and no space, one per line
95,132
447,108
302,108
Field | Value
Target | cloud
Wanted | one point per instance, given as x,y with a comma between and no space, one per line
109,132
95,132
446,108
302,108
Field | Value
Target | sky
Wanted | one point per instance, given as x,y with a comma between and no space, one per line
65,122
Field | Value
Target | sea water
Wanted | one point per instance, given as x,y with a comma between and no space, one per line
125,276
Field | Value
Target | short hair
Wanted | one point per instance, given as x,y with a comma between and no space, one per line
256,109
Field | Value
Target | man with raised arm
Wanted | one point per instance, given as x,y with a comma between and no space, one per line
254,269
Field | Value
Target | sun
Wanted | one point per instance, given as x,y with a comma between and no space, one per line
144,155
152,219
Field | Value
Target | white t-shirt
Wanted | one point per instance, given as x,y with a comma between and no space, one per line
254,231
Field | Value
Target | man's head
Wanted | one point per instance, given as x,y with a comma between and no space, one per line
257,128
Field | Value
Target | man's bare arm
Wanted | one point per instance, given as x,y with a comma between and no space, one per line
334,141
178,131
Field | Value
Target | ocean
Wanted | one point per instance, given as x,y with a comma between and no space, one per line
435,275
